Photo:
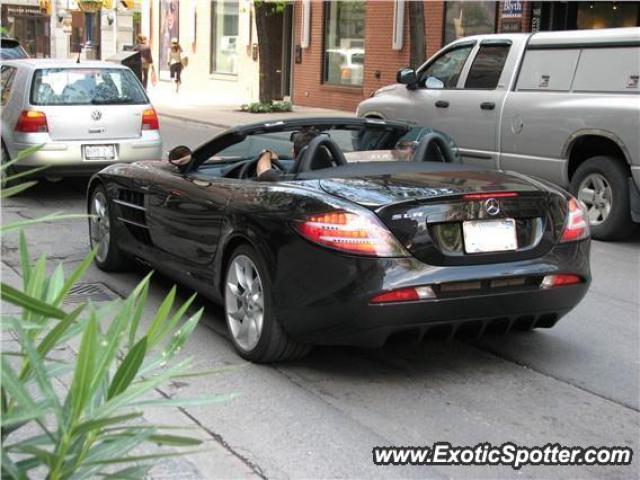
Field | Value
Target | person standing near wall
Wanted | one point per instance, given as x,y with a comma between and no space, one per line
147,60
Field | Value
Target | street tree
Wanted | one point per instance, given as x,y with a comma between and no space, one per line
417,34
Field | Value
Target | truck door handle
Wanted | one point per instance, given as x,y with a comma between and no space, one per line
442,104
487,105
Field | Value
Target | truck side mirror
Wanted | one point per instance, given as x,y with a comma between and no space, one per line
407,76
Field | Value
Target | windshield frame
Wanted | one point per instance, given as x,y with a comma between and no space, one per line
238,134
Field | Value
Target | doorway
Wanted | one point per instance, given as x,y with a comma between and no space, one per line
275,36
78,34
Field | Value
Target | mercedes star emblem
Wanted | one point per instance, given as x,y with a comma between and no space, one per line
492,207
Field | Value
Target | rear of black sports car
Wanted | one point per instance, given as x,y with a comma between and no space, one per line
444,253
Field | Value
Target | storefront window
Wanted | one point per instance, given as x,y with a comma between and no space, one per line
169,29
29,26
584,15
607,14
468,18
344,43
224,33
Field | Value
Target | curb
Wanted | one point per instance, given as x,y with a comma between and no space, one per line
192,120
207,122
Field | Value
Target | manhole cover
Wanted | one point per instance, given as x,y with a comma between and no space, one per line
95,292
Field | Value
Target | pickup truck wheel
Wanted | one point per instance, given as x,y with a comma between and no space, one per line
602,184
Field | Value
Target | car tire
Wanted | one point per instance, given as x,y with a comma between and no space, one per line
253,327
602,184
109,256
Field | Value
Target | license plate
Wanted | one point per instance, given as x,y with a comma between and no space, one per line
482,236
99,152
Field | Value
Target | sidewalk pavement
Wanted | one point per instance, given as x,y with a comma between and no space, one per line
218,111
212,459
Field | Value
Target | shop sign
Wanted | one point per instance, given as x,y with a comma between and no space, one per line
536,17
512,9
511,26
21,10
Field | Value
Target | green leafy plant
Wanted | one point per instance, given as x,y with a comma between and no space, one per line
267,107
274,7
8,176
9,188
80,416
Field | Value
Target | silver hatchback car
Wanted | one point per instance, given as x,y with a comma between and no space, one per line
85,115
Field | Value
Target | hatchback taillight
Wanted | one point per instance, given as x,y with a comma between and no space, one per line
150,120
577,224
31,121
360,234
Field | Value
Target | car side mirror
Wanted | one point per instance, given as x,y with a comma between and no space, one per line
407,76
434,83
180,156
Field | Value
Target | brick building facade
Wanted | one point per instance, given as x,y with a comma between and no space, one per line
444,21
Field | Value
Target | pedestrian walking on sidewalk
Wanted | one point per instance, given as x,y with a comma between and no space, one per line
147,60
176,62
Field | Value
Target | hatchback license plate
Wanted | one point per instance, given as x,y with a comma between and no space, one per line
482,236
99,152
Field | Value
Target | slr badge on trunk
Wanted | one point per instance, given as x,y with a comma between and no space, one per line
96,115
492,207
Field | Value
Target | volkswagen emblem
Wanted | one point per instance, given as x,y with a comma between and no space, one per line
492,207
96,115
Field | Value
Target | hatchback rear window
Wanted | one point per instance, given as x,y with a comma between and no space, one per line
86,86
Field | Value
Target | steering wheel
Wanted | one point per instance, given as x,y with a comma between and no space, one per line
249,169
310,155
434,144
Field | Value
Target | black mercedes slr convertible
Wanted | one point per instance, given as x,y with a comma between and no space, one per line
375,229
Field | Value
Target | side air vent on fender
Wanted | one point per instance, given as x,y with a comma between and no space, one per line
132,213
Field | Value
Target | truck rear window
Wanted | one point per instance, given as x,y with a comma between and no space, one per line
86,86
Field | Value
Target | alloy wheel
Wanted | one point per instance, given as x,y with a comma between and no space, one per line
100,226
596,193
244,302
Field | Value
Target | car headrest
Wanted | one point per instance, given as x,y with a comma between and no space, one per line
321,152
434,147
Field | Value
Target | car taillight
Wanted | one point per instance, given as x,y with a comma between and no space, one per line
150,120
577,225
411,294
31,121
559,280
360,234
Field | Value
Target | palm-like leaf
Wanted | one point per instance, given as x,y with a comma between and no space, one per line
96,424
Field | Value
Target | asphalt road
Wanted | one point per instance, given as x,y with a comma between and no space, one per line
576,384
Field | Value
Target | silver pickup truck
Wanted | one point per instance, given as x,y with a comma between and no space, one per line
562,106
